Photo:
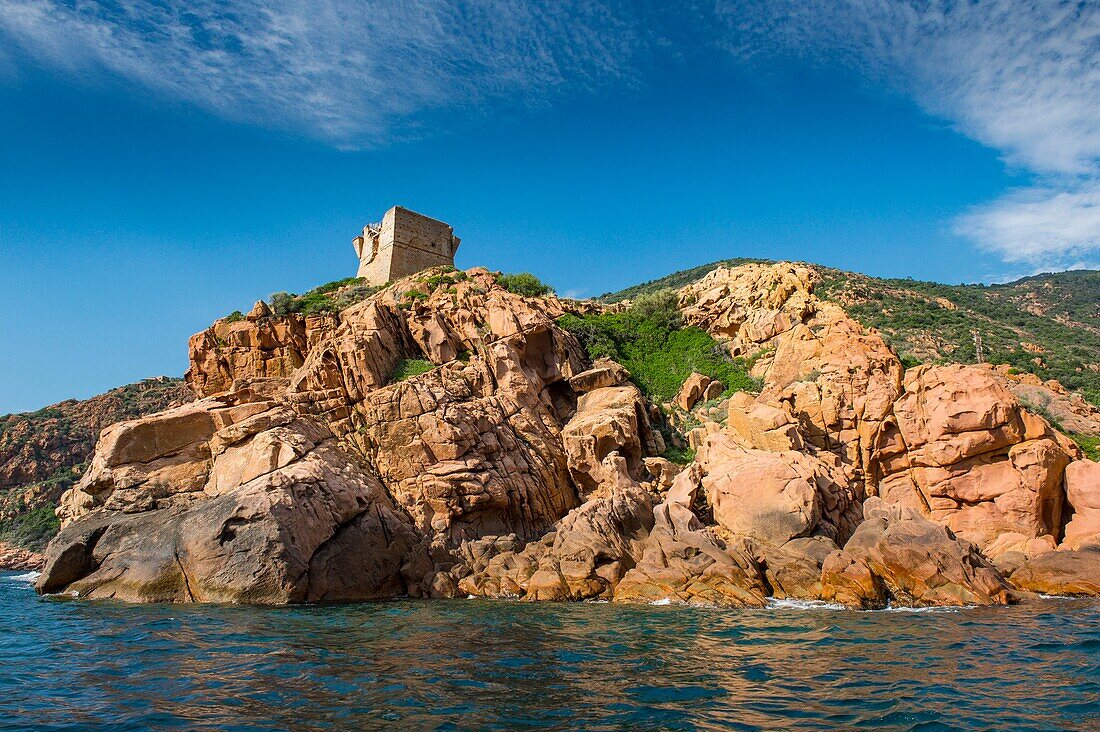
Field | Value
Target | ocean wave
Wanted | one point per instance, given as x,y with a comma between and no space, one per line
29,577
775,603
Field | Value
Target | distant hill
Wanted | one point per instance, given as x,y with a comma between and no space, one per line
43,453
674,281
1047,324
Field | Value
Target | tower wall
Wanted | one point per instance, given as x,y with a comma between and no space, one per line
406,243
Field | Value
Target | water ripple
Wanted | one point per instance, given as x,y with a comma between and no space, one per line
511,666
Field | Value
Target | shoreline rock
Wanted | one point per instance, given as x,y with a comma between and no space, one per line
17,558
311,469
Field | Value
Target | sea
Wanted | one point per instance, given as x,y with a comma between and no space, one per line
68,664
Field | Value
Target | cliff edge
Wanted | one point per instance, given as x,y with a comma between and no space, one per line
734,440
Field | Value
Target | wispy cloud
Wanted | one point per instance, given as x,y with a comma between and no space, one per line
1039,224
351,73
1021,76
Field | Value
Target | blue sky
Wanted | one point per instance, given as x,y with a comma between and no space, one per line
166,164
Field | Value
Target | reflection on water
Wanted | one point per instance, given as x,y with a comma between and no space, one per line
500,665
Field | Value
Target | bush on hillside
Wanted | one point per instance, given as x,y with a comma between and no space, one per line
328,298
410,367
524,283
650,341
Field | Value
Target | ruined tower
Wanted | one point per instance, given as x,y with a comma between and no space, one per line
403,243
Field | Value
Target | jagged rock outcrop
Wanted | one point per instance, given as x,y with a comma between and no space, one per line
472,448
583,557
960,449
847,579
320,465
919,562
818,366
228,500
794,570
608,419
684,561
256,347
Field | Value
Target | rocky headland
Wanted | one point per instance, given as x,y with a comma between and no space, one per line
44,453
446,436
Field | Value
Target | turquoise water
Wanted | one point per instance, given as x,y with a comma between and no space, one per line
469,664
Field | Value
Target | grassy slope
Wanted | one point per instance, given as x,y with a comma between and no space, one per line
1047,324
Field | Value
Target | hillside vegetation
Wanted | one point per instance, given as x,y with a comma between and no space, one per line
1047,324
43,453
649,339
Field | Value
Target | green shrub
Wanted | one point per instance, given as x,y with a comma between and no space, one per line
410,367
649,340
32,529
337,284
909,361
328,298
234,317
524,283
281,303
680,456
353,294
1089,444
449,277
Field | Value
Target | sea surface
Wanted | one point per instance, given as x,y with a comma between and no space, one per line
475,664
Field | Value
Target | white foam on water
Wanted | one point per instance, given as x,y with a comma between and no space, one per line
1056,597
29,577
904,609
775,603
665,601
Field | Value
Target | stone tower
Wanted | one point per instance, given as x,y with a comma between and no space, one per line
404,243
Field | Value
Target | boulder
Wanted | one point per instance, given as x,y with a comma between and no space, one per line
922,563
774,497
848,580
604,373
793,570
692,391
315,528
1083,495
1069,572
683,561
583,556
608,419
762,426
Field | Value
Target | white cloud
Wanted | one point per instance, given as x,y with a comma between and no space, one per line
1039,224
350,73
1020,76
